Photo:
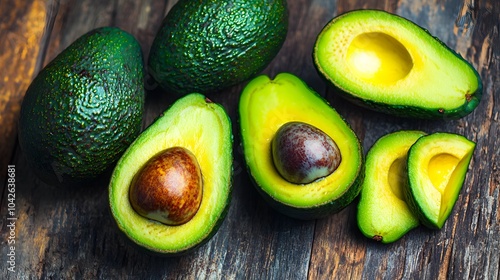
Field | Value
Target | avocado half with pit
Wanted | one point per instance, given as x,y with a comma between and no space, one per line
287,115
387,63
191,145
383,213
437,166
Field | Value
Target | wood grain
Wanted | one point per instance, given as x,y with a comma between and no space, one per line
21,31
69,233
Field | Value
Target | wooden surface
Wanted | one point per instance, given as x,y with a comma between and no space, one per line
61,233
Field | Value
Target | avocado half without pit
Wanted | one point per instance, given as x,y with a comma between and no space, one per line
304,159
171,189
387,63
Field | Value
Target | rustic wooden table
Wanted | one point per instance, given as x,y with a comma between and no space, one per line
68,233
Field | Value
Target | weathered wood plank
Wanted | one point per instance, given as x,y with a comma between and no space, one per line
21,31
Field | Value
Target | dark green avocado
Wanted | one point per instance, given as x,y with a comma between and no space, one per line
389,64
269,107
206,46
84,108
202,127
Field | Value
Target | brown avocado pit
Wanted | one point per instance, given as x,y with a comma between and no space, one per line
168,188
303,153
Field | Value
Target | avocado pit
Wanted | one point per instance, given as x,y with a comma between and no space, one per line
168,188
303,153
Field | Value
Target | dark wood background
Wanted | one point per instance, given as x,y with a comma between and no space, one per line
69,233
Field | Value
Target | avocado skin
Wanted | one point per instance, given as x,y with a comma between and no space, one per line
84,108
405,111
207,46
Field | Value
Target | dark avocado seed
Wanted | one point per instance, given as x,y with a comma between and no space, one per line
168,189
303,153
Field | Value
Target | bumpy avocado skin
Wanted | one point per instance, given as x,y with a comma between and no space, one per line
471,99
264,176
84,108
207,46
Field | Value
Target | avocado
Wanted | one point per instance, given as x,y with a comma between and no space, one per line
383,214
268,109
207,46
200,130
387,63
437,165
84,108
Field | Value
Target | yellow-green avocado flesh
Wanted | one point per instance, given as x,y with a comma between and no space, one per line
202,127
387,63
383,214
265,105
437,165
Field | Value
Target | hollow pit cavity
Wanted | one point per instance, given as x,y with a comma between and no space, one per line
378,58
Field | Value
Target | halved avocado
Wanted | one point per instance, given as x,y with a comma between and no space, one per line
383,214
202,127
265,106
437,165
387,63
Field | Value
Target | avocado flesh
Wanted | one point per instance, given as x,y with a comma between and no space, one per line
437,166
383,213
202,127
84,108
265,105
207,46
387,63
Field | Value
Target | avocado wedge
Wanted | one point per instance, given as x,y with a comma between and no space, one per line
383,214
268,106
437,166
387,63
202,127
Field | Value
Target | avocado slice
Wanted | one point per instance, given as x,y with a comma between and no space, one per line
383,214
208,46
196,124
437,165
389,64
265,106
84,108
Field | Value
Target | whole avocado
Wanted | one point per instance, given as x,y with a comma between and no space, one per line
84,108
206,46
